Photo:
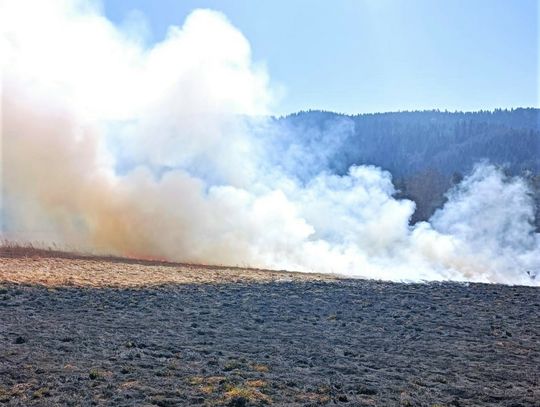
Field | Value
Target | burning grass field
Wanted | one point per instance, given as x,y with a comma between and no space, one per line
80,330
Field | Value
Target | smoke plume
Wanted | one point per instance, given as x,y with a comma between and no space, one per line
165,152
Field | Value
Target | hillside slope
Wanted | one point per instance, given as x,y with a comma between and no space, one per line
217,337
426,151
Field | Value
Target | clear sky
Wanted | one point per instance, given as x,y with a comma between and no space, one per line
358,56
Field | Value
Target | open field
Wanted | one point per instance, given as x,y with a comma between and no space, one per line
22,265
102,331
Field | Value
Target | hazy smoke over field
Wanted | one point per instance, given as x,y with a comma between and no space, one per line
111,146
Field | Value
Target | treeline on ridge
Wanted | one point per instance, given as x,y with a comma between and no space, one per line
426,151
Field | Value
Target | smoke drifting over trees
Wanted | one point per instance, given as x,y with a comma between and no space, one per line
427,152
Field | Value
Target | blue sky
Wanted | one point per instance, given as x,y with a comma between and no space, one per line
357,56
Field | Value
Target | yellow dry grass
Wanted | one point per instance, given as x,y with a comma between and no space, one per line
56,269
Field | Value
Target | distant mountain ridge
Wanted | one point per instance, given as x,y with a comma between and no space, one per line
407,142
426,151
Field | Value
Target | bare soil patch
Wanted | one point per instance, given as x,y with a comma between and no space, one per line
231,337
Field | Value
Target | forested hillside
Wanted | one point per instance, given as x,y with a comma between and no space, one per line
426,151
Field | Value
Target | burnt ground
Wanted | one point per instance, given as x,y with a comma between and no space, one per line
291,343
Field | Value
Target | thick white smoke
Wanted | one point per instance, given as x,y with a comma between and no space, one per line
116,148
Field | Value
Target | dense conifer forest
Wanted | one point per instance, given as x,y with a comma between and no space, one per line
426,151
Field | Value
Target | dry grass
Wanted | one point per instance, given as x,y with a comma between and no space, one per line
29,265
248,394
256,383
261,368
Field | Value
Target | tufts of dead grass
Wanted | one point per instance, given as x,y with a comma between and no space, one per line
53,268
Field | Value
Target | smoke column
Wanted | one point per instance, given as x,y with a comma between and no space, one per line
159,152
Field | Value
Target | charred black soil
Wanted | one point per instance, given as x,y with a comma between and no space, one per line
294,343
